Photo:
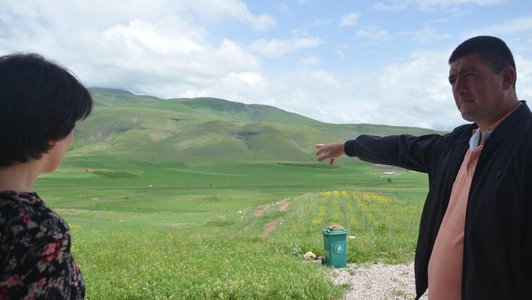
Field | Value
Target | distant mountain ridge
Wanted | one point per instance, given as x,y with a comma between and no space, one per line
206,129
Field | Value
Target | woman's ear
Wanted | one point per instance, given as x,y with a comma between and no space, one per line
67,138
56,154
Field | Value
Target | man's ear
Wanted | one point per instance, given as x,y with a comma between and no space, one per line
509,77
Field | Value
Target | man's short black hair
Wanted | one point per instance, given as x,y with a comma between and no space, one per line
40,102
492,50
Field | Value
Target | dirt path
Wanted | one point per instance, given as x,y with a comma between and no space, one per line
260,212
264,209
284,206
270,227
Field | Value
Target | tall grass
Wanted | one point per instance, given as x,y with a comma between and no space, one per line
382,226
176,266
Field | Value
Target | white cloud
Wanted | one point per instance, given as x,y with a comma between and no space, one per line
393,5
428,34
373,33
276,48
519,25
139,36
349,20
251,80
65,17
398,5
304,91
415,93
167,49
340,51
524,78
149,47
284,8
234,8
319,23
309,60
421,86
168,56
449,3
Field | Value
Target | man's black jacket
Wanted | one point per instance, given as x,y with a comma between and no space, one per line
498,227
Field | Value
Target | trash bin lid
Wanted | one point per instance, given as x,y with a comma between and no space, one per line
335,232
336,227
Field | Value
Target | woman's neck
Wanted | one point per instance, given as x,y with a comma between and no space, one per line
20,176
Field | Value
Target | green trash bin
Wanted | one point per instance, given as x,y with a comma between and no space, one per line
335,248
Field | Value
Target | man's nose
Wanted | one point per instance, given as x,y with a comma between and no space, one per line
459,86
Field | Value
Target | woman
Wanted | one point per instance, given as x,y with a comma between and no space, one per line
40,103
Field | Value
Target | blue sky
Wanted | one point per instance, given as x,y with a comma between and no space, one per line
381,62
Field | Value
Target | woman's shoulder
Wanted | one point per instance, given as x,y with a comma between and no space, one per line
15,204
37,241
14,198
23,213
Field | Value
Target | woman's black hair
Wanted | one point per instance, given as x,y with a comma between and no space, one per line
40,102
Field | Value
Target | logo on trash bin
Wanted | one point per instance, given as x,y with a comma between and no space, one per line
339,248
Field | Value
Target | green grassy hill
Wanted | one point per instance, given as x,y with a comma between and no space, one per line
205,129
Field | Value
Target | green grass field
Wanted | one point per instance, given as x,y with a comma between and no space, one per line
163,230
212,199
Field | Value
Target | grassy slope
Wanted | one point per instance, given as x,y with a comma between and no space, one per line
196,130
161,197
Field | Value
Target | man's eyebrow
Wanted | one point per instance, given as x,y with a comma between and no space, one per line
453,75
472,69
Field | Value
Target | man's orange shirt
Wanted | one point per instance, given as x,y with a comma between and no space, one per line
445,265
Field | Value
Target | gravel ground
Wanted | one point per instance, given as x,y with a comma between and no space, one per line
378,281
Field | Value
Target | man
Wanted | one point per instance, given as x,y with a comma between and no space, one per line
475,238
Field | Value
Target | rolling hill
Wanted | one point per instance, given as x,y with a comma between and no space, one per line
141,127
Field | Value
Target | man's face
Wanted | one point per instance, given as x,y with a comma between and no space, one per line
477,90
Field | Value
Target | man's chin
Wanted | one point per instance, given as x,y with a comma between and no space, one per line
467,117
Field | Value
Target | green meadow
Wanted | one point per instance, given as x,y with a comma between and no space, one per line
146,230
211,199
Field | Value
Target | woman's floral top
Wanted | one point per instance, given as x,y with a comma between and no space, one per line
35,258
